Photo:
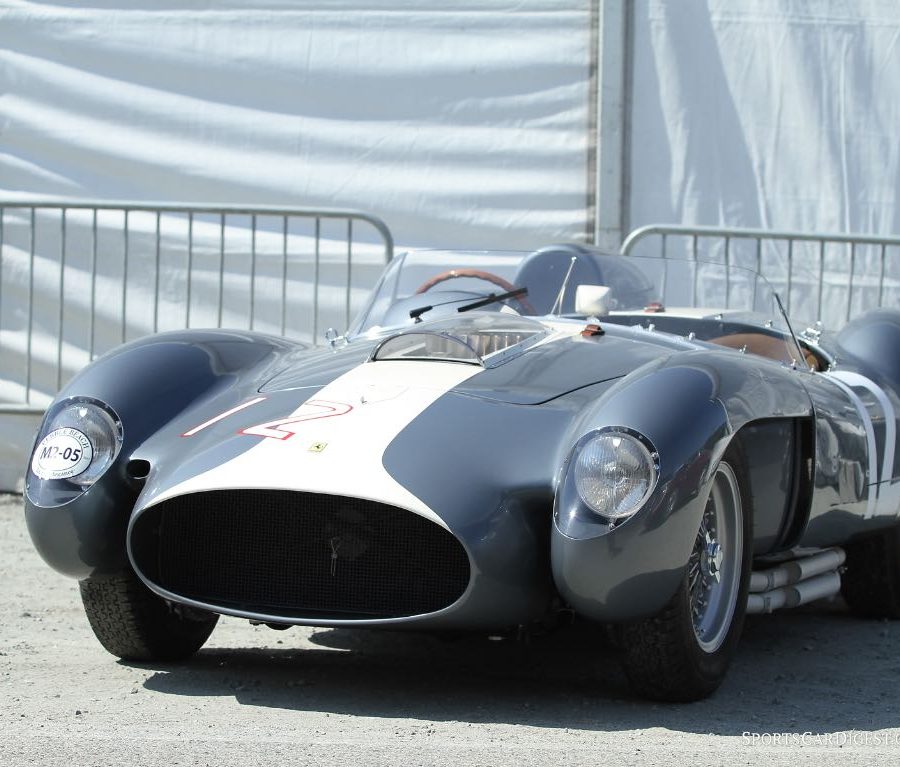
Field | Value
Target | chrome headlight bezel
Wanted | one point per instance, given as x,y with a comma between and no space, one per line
79,440
609,476
615,472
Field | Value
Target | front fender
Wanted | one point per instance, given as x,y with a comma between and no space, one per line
150,381
633,569
146,384
689,407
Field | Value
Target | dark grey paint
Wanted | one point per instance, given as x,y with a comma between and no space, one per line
148,384
489,457
770,454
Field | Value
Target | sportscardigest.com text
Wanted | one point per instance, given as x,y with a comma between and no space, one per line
832,739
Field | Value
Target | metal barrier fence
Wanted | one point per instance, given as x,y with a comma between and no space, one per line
831,277
78,278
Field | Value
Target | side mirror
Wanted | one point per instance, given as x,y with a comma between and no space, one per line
592,300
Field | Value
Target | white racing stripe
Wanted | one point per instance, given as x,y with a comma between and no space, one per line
883,497
335,443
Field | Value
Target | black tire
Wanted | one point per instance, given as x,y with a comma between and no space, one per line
870,584
135,624
666,657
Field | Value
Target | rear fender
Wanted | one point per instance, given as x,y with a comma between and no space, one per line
873,341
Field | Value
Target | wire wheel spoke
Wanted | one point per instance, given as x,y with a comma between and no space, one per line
714,568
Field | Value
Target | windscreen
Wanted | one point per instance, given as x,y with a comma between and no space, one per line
669,294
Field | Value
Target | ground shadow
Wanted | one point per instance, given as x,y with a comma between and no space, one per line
793,672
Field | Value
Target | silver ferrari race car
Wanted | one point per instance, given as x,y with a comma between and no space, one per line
499,439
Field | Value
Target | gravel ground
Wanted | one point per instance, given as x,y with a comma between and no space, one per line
813,686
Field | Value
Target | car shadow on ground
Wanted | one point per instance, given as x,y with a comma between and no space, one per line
792,673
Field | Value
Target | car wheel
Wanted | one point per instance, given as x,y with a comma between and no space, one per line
870,584
135,624
683,652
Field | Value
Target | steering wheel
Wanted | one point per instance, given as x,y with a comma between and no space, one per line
478,274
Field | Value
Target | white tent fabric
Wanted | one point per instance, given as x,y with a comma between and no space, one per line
462,123
779,114
773,114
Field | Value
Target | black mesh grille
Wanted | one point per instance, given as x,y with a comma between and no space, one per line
299,554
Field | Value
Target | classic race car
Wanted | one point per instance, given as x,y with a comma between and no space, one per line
500,438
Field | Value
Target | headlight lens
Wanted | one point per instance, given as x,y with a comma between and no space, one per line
80,442
614,474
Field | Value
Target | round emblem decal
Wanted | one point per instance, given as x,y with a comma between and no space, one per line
63,453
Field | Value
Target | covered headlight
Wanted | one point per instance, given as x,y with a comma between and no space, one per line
79,442
614,474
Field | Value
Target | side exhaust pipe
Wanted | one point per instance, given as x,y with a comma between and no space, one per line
796,582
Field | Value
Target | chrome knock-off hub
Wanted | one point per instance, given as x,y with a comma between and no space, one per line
711,558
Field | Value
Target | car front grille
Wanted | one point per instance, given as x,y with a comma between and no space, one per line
299,555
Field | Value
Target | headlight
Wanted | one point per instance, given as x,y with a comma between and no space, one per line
80,441
614,474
